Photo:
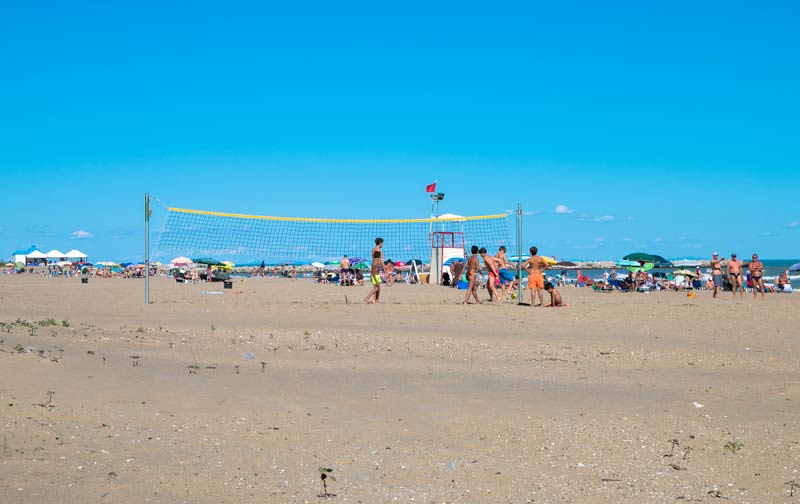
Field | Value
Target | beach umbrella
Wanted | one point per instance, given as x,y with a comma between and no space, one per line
640,256
399,264
452,260
360,265
519,258
317,264
181,261
332,263
549,260
794,267
418,262
10,264
206,260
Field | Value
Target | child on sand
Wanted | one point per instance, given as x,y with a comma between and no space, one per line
555,296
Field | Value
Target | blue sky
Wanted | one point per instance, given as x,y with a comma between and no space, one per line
669,127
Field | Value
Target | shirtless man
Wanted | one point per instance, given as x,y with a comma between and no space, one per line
473,268
375,272
756,268
491,267
735,276
344,271
535,266
506,278
716,273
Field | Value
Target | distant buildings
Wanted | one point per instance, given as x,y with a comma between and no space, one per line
32,255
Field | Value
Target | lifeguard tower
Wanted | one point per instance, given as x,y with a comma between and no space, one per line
446,245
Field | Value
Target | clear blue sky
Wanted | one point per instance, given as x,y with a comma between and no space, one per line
669,127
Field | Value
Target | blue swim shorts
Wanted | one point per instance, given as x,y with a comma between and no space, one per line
506,276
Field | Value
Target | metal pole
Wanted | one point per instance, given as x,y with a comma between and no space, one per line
519,252
146,248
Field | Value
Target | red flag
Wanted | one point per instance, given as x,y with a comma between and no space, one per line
431,188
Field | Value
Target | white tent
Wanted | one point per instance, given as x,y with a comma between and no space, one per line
37,254
76,254
55,254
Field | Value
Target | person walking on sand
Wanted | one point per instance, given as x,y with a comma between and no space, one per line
716,273
375,272
535,266
491,267
735,276
756,268
473,268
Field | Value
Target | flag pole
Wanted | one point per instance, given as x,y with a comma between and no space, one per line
147,214
519,253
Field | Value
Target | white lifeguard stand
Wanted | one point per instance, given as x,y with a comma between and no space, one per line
445,245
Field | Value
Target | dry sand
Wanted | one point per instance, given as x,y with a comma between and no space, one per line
419,399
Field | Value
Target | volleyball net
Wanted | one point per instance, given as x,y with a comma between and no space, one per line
254,238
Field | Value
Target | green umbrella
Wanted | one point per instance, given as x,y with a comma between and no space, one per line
641,256
207,261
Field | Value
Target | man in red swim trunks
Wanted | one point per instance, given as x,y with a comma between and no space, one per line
535,266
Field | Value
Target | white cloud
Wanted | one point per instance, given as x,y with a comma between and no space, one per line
563,209
605,218
531,212
600,239
584,217
627,239
82,235
659,239
794,224
629,218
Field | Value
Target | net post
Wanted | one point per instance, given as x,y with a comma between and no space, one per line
519,252
146,248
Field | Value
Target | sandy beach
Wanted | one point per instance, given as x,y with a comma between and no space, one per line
241,396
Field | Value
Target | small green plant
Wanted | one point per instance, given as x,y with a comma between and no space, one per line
792,486
65,323
263,366
324,475
50,395
47,322
140,329
733,446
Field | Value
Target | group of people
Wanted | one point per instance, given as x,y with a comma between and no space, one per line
498,274
734,272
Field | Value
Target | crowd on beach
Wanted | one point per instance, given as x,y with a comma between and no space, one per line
497,275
